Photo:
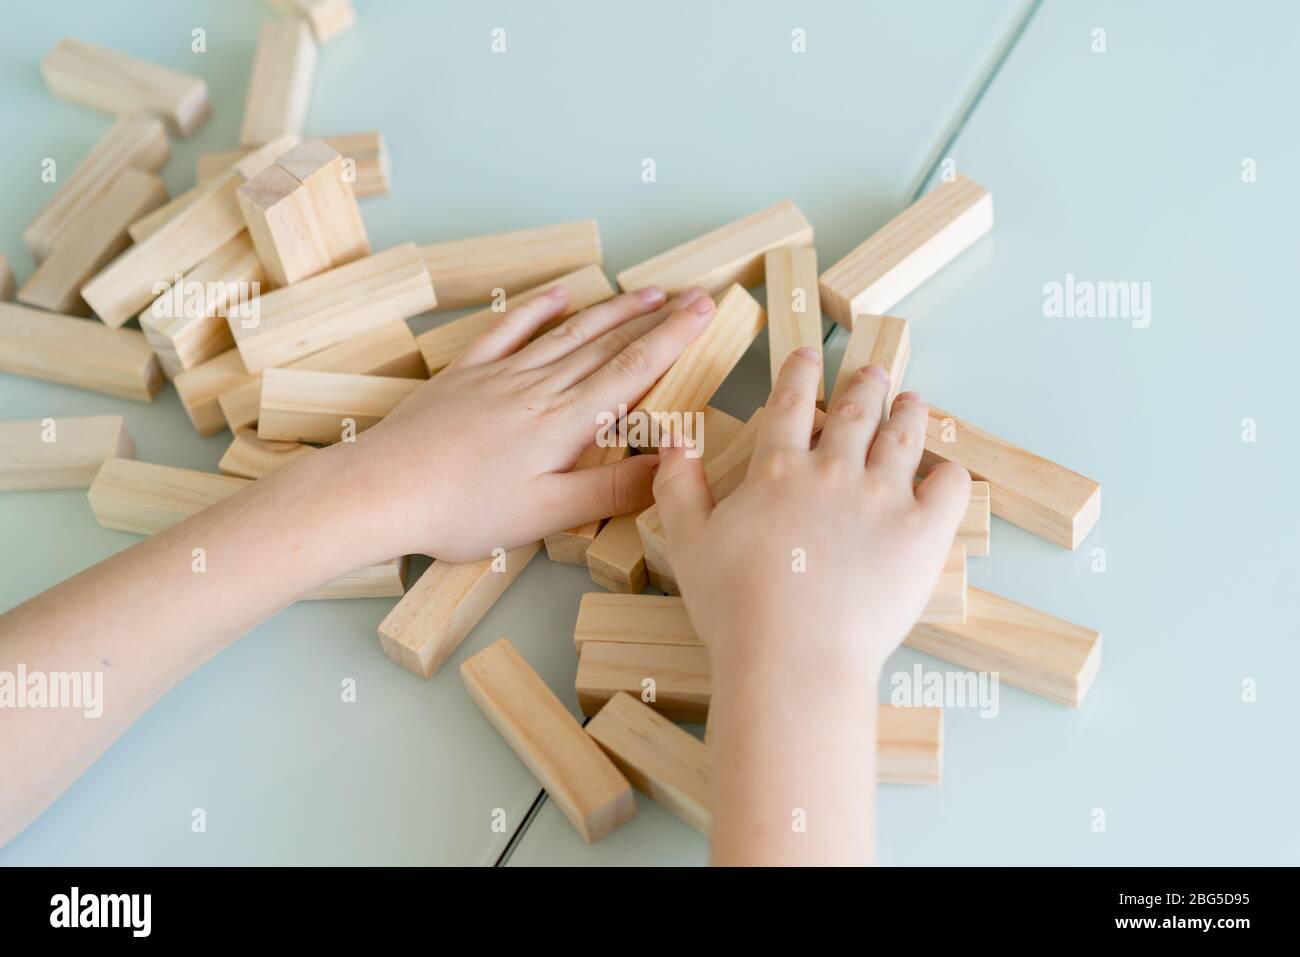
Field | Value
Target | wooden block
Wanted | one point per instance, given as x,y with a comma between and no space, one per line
663,762
327,18
385,580
701,368
441,344
909,745
81,353
578,777
444,606
251,457
201,388
876,341
365,157
794,315
947,603
973,532
302,214
729,255
1027,490
633,619
1029,649
59,453
133,142
151,222
188,324
911,248
101,234
387,350
298,320
323,407
6,280
571,546
114,82
468,272
279,87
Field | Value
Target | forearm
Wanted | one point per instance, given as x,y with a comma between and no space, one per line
150,615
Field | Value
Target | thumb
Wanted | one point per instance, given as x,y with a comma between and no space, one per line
681,492
589,495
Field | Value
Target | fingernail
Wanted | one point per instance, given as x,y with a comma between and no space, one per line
558,292
702,306
650,295
908,397
807,352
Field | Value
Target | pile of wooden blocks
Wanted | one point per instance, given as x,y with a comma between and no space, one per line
324,350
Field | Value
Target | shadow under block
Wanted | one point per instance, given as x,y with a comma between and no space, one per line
324,407
570,546
794,315
114,82
876,341
577,775
101,235
327,18
133,142
468,272
279,86
1025,489
6,280
387,350
443,607
364,154
251,457
145,498
81,353
1029,649
302,214
662,761
59,452
298,320
907,251
732,254
441,344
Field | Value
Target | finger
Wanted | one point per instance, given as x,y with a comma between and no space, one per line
582,362
515,328
576,331
681,492
589,495
788,414
628,376
853,418
896,452
945,496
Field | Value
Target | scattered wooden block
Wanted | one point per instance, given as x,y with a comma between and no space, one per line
633,619
1029,649
101,235
279,87
133,142
973,532
794,315
441,344
81,353
59,452
151,222
327,18
701,368
114,82
672,679
730,255
1027,490
909,745
302,214
188,324
443,607
469,272
200,389
299,405
312,315
385,580
365,158
876,341
6,280
387,350
251,457
911,248
663,762
584,784
571,546
947,603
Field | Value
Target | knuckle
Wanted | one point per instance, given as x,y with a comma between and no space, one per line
852,411
568,332
631,361
772,467
785,398
902,438
623,492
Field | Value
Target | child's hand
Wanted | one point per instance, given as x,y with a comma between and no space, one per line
479,457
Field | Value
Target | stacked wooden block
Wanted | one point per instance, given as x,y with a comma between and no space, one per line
259,295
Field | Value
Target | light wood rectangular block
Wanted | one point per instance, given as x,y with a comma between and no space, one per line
133,142
570,546
323,407
148,224
101,234
729,255
251,457
279,87
327,18
441,344
876,341
59,452
385,580
909,745
365,158
577,775
115,82
200,389
81,353
1028,490
911,248
794,315
677,676
444,606
633,619
973,532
